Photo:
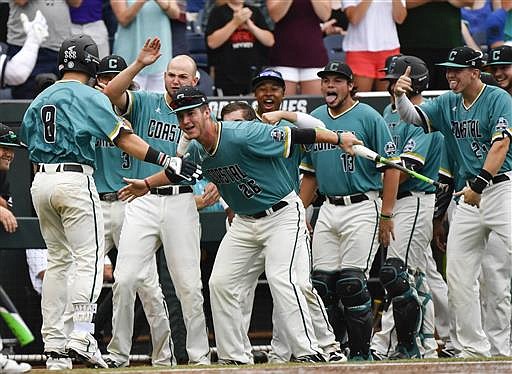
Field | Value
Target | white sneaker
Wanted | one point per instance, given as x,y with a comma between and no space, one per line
10,366
83,346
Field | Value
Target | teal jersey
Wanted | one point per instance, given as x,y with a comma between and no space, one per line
418,151
469,132
112,165
247,165
338,173
64,121
153,120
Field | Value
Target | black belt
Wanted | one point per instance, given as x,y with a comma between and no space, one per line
63,167
354,199
167,191
401,195
268,212
500,178
108,196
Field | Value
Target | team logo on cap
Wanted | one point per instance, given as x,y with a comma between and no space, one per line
278,135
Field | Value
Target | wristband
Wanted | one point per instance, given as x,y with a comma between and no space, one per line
385,217
340,139
147,183
481,181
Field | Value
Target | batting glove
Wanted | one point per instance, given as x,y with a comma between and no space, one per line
37,29
182,168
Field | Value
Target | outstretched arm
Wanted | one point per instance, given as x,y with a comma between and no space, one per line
117,87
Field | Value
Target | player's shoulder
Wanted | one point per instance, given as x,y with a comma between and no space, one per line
365,110
319,111
493,93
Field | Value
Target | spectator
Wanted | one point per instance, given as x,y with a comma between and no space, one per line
15,71
237,37
138,20
179,30
371,38
88,19
59,28
338,22
424,36
299,52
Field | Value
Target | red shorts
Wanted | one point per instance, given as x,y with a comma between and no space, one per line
368,64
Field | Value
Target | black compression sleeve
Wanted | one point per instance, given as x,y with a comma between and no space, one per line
303,136
443,198
154,157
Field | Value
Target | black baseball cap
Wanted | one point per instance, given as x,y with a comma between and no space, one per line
501,55
390,60
187,97
464,57
267,75
338,68
8,139
112,64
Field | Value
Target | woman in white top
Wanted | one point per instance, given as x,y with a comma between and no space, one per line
371,38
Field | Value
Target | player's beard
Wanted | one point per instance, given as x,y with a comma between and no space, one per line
337,104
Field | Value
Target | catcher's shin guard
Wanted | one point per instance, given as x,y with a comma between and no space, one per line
355,297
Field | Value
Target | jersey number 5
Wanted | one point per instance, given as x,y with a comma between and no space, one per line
48,116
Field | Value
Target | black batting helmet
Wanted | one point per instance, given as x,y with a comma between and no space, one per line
8,139
79,53
419,71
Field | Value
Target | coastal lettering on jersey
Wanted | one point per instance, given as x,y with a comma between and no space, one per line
466,129
234,174
163,130
319,147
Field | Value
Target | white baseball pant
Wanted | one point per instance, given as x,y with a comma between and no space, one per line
280,239
149,293
171,221
466,249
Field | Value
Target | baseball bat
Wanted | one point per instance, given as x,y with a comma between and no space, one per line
13,319
362,151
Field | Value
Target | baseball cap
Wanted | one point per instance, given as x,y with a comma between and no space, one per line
111,64
501,55
187,97
267,75
338,68
464,57
8,138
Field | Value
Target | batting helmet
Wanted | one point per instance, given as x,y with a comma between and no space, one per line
419,71
8,139
79,53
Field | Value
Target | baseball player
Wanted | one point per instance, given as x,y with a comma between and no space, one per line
475,121
15,71
268,87
351,221
166,216
496,265
60,127
245,161
112,165
403,272
8,143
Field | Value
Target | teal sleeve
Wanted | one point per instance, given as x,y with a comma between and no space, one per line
416,147
267,141
501,121
432,111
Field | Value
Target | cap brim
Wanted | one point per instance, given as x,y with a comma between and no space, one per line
12,145
259,80
187,107
454,65
499,63
108,72
324,73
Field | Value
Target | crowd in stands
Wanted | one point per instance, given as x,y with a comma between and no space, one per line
232,40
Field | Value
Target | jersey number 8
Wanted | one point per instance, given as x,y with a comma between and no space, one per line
48,116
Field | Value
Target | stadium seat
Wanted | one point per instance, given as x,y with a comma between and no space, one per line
334,46
197,49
